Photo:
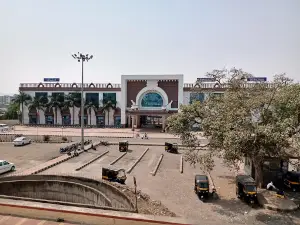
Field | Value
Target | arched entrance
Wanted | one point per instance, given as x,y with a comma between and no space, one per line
33,116
49,116
85,117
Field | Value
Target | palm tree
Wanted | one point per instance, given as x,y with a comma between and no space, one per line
91,106
108,105
73,100
22,99
56,103
38,103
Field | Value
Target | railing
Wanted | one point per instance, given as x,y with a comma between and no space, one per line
222,86
70,85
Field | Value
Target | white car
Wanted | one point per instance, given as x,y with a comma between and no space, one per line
6,166
19,141
4,127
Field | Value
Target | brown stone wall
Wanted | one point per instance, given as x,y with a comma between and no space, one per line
171,89
133,88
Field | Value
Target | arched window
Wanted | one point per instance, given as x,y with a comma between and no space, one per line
152,99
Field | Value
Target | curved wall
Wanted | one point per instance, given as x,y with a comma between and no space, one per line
117,198
54,190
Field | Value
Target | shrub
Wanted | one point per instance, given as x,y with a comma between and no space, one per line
64,138
46,138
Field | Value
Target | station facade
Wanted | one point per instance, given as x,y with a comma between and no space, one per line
141,101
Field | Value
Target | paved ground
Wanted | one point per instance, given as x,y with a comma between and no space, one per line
173,189
11,220
25,157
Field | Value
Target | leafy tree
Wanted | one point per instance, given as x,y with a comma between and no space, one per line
12,111
252,120
22,99
108,105
38,103
91,106
72,100
56,103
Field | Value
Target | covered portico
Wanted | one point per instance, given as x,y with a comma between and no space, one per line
134,117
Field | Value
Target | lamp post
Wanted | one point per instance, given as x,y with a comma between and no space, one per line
82,58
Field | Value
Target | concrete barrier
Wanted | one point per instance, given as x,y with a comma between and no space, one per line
84,216
181,165
91,161
137,161
54,191
118,199
157,165
117,159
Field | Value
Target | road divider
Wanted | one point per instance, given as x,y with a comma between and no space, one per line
91,161
117,159
157,165
181,165
137,161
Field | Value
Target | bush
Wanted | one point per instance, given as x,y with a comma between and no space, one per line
64,138
46,138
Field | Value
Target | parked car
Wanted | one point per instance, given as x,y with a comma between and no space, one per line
19,141
6,166
4,127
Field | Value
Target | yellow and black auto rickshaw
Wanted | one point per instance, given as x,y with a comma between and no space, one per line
292,180
114,174
246,189
201,186
123,146
172,148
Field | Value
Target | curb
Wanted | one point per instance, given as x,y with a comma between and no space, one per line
91,161
117,159
137,161
157,165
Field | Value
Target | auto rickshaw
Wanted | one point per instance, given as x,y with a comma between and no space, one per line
292,180
172,148
114,174
123,146
246,189
201,186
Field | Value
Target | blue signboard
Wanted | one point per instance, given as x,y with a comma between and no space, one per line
51,79
257,79
206,79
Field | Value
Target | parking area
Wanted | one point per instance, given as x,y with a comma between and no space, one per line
25,157
172,188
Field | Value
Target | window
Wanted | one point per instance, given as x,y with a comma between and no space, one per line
100,121
56,94
152,99
109,97
92,97
197,97
1,164
41,94
5,163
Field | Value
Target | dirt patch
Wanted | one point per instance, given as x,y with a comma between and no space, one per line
145,204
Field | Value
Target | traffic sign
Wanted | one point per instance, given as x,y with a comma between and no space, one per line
257,79
51,79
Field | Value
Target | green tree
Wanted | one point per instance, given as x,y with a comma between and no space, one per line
12,111
108,105
38,103
252,120
91,106
72,100
22,99
56,103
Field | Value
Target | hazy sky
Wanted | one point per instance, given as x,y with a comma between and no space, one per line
189,37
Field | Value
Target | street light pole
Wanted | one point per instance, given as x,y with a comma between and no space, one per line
82,58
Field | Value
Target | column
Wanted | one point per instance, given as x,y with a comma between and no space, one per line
93,117
59,117
25,115
76,117
133,121
72,115
42,117
138,121
163,123
129,120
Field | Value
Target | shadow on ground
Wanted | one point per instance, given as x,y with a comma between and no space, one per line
230,179
274,218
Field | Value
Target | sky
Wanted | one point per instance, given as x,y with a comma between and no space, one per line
138,37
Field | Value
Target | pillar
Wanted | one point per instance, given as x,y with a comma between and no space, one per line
129,120
42,117
93,117
163,123
138,121
59,117
133,121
